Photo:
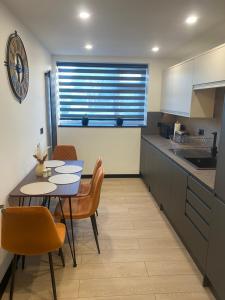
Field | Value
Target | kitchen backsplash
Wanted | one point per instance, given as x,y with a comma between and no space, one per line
209,125
153,118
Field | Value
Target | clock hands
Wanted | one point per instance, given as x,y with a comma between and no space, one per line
19,68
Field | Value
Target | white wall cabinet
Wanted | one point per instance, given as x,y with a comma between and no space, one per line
210,67
179,97
177,89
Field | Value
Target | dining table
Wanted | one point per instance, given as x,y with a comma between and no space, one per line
62,192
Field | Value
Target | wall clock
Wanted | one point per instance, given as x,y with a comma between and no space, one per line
17,66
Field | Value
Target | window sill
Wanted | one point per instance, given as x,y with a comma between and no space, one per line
103,126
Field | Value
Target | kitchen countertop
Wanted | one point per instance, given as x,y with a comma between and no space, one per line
207,177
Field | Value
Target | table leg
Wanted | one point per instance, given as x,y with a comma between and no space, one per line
48,202
71,223
44,201
68,236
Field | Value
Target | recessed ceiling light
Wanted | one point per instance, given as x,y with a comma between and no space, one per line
84,15
155,49
88,46
191,20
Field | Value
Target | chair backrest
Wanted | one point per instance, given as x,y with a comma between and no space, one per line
98,164
96,189
28,230
64,152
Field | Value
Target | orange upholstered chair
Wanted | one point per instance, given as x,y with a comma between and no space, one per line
85,187
64,152
85,206
29,231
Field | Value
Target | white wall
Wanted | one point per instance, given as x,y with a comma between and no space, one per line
19,123
119,147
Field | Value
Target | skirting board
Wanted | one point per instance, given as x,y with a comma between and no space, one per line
116,176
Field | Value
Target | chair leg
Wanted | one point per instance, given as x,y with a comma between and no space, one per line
62,256
95,232
52,275
14,263
96,212
23,262
96,227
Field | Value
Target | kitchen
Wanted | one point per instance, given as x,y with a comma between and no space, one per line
185,173
132,91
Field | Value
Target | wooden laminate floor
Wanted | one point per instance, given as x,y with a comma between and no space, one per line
141,256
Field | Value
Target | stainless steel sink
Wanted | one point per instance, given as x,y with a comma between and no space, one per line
199,158
203,162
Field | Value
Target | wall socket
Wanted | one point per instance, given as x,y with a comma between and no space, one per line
201,131
41,130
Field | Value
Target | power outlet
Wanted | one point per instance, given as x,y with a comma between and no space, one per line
41,130
201,131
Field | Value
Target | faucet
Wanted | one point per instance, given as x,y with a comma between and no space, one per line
214,147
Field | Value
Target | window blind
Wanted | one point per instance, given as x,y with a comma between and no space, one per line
102,92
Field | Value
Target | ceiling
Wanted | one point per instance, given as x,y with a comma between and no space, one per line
123,27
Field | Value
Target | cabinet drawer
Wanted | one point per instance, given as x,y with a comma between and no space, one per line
205,195
199,206
197,221
196,244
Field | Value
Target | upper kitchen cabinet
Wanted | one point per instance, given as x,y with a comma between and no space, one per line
178,96
209,68
177,89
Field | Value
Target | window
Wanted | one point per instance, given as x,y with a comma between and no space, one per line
102,93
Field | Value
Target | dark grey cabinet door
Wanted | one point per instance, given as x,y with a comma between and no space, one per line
220,170
175,205
165,178
145,159
216,251
155,174
149,165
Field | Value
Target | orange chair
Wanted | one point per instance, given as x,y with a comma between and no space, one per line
85,206
64,152
85,187
29,231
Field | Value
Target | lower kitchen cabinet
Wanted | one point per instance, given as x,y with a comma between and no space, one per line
198,212
185,202
216,251
174,205
158,177
193,210
167,183
144,161
150,168
195,242
155,171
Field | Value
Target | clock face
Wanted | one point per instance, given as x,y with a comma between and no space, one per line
17,66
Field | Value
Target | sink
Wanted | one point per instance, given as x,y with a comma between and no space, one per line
203,162
199,158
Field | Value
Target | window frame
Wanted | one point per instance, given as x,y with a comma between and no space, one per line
111,122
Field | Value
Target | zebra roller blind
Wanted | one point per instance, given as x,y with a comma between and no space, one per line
102,92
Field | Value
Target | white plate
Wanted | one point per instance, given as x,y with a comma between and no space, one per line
38,188
64,178
68,169
54,163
